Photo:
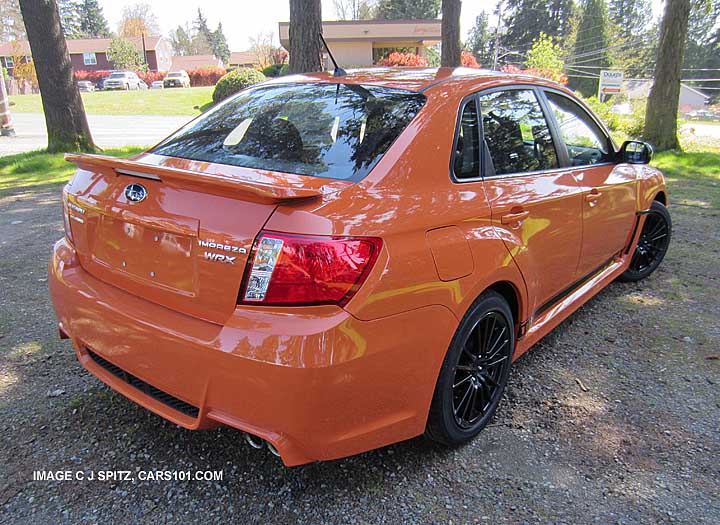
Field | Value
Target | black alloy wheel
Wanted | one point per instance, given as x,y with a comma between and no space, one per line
652,245
474,374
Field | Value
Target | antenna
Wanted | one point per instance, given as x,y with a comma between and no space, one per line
339,72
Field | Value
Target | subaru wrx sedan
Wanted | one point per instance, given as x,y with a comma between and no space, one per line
331,264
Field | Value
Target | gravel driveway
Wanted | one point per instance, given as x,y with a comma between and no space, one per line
613,418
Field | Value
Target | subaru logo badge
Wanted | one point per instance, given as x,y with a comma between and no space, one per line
135,192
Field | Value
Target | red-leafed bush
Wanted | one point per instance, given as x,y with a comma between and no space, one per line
550,74
92,76
205,76
403,59
150,76
468,60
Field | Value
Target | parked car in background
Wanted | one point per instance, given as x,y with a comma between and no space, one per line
85,85
157,84
335,263
126,80
703,114
177,79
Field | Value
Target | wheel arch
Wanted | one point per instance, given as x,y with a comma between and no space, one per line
661,197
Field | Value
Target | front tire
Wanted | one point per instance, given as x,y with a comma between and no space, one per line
652,245
474,373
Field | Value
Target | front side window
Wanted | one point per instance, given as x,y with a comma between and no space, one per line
89,59
516,132
466,162
337,131
586,144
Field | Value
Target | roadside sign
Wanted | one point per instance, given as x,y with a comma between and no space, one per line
611,81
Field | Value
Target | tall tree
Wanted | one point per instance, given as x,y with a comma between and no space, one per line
305,28
702,54
11,23
67,126
662,103
526,19
181,41
631,17
591,52
219,44
138,20
450,33
123,55
93,23
353,9
408,9
480,40
70,18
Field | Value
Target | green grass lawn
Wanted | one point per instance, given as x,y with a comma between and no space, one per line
176,101
37,168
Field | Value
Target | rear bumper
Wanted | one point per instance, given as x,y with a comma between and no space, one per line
316,383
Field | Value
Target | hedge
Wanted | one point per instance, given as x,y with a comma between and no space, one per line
235,81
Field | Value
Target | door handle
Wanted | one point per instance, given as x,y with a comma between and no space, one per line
512,218
593,196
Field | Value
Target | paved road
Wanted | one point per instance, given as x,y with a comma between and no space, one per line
704,130
108,131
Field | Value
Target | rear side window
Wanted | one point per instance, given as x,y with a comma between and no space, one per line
466,163
338,131
516,132
586,144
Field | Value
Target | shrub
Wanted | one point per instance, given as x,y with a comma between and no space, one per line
205,76
403,59
273,70
468,60
236,81
150,76
285,70
550,74
92,76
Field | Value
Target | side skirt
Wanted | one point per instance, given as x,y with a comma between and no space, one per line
551,315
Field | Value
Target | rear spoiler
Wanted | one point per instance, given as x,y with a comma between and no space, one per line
223,184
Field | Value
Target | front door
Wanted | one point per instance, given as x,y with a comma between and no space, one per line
609,189
536,205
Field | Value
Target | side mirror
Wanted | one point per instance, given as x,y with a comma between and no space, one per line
635,152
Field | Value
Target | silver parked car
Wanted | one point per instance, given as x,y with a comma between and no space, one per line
123,80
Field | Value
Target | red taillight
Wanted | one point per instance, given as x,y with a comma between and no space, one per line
66,217
286,269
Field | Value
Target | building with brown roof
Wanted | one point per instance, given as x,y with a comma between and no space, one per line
364,42
90,54
189,62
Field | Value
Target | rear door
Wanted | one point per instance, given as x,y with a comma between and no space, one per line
609,190
536,204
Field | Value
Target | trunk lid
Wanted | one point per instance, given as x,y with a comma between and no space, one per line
173,231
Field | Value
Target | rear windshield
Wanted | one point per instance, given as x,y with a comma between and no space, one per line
118,75
338,131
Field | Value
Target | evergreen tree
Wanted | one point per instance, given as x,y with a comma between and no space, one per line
481,41
631,17
70,18
591,51
219,44
702,51
408,9
181,41
526,19
93,23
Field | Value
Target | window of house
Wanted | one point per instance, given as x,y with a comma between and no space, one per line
586,144
89,59
516,132
466,161
9,63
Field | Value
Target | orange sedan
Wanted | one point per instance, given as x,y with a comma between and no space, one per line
335,263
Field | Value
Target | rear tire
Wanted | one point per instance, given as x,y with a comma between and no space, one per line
652,245
474,373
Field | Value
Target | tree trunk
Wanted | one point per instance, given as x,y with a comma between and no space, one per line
304,32
65,119
450,30
662,104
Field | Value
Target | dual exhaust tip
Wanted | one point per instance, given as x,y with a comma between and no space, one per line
258,443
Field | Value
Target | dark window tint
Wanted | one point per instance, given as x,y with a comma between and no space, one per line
516,132
586,144
338,131
466,163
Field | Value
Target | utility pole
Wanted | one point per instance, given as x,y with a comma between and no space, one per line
497,36
6,123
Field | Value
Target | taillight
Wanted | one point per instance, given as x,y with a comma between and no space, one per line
286,269
66,217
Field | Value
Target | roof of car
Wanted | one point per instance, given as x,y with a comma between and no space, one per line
414,79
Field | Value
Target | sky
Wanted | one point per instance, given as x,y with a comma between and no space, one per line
245,19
